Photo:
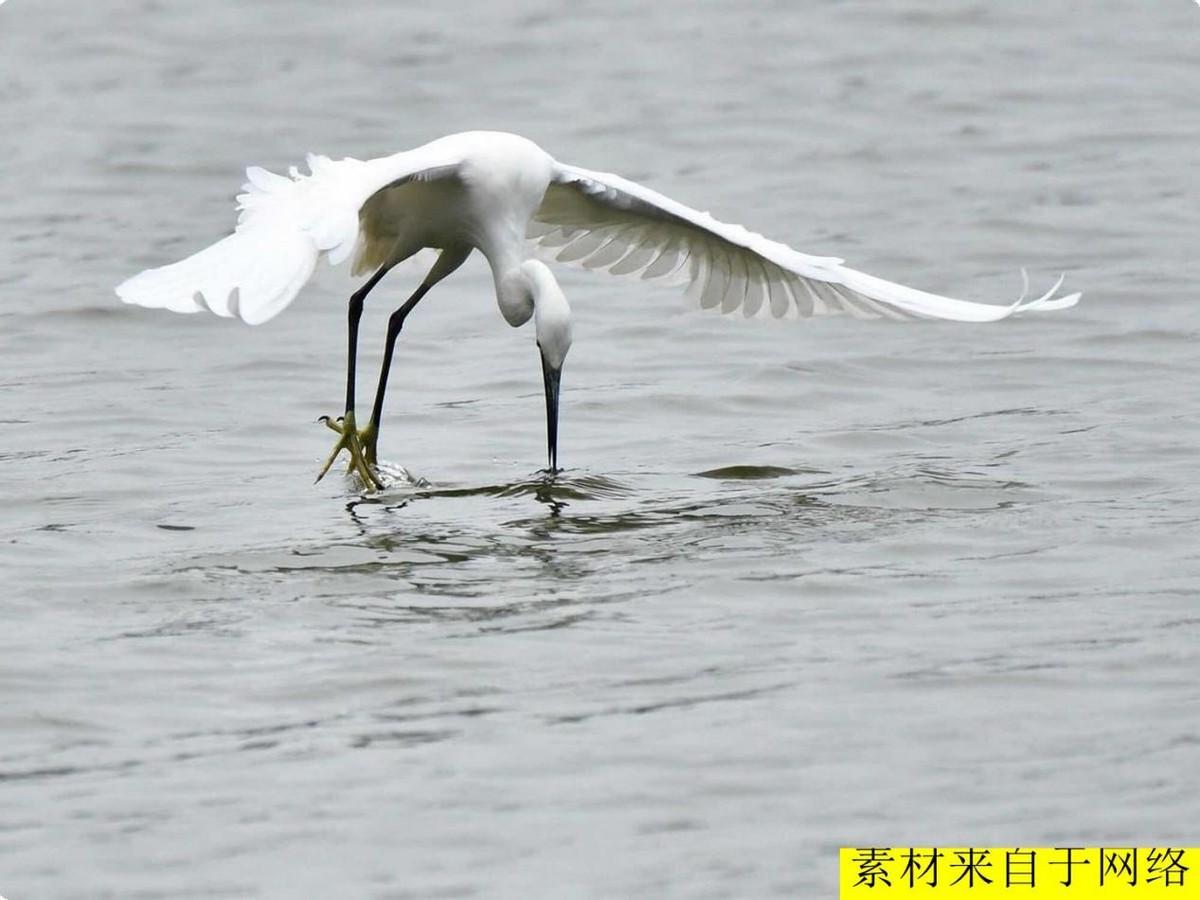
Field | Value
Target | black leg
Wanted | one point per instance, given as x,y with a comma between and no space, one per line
361,444
395,323
349,439
355,313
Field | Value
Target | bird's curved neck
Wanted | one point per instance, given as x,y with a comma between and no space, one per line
515,290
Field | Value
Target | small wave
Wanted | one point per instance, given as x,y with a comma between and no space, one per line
544,486
747,473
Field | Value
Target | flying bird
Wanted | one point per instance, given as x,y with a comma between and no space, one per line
504,196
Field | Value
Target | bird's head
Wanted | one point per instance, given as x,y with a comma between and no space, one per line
551,313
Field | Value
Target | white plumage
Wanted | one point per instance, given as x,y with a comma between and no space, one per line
585,218
506,197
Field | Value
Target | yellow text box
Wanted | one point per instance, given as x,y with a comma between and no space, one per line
1036,873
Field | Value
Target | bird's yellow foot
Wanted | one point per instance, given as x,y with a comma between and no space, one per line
367,438
359,444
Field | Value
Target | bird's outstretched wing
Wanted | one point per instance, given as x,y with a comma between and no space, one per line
284,225
603,221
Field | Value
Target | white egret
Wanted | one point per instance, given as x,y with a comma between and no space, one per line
506,197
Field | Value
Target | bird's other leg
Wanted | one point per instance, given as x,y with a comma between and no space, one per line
350,439
370,434
449,259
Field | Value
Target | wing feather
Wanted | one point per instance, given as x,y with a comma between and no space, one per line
636,260
756,287
670,257
779,298
718,279
614,249
584,244
726,266
285,223
735,291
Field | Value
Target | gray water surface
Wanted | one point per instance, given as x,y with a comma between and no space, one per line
802,585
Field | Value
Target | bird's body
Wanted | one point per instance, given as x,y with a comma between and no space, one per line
503,195
498,183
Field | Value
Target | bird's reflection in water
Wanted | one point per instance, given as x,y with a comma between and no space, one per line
544,493
548,486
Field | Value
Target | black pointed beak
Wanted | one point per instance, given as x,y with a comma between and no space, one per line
551,377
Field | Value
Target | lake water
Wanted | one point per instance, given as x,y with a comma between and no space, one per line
803,584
